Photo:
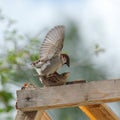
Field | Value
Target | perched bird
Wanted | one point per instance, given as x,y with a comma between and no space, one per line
55,80
51,58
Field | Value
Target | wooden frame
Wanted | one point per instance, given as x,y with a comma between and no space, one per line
91,97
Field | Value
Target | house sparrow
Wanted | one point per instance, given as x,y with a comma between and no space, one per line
54,80
51,58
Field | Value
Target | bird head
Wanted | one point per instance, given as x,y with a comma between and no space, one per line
65,59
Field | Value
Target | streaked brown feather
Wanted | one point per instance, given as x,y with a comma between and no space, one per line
55,79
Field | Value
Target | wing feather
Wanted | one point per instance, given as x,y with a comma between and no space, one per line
53,43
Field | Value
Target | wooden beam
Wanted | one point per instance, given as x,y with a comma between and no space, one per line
99,112
95,92
32,115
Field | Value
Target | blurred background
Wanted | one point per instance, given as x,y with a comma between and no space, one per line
92,40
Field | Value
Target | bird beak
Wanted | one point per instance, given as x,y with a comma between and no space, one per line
68,62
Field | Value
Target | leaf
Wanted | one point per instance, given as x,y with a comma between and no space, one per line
6,96
4,79
34,57
9,108
11,58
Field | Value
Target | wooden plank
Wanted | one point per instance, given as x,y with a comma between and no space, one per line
95,92
32,115
99,112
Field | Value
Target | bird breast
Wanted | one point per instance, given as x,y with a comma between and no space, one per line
51,66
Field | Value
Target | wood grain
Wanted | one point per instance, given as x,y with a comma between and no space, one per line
32,115
26,115
95,92
99,112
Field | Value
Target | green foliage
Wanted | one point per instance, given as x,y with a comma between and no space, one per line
6,97
34,57
11,58
4,79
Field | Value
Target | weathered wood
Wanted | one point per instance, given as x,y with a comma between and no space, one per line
32,115
42,115
99,112
45,117
26,115
95,92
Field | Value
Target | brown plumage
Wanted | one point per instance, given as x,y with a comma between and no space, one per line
55,79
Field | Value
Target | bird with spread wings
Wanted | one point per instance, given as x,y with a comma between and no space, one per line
51,56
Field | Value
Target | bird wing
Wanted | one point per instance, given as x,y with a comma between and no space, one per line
53,43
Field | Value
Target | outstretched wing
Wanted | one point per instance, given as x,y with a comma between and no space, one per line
53,43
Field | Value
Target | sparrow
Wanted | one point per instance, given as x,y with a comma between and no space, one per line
54,80
51,57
